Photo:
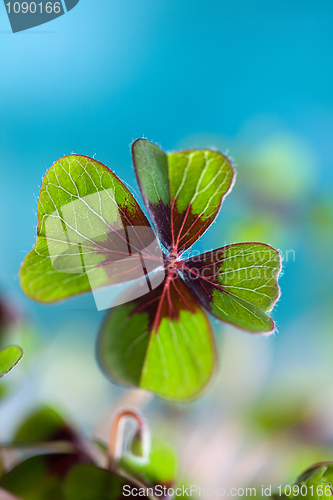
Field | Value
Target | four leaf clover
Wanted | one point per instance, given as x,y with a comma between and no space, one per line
92,234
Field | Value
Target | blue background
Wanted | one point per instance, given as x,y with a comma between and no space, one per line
108,72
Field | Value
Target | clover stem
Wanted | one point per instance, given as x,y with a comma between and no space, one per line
116,436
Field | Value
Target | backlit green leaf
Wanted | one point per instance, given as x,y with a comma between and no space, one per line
182,191
9,357
237,283
84,213
161,342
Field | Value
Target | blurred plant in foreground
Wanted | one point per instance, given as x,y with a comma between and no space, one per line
48,459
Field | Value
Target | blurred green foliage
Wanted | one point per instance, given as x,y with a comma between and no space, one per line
63,466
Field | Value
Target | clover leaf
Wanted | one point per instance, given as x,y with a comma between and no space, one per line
93,235
83,208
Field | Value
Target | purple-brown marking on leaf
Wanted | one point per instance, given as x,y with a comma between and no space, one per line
166,301
160,215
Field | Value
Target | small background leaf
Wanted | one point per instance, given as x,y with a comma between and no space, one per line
9,357
42,426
